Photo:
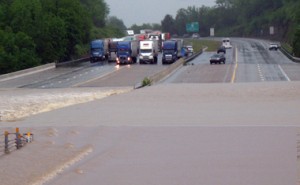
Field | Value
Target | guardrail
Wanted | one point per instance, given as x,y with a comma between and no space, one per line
72,62
14,141
286,53
26,71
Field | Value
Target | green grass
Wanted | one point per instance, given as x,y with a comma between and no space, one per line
146,82
211,45
287,47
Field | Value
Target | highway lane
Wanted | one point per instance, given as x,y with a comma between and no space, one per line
201,71
86,72
248,61
256,63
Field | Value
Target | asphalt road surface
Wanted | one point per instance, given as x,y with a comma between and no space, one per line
248,61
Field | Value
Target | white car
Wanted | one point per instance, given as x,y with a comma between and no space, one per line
190,49
195,35
273,46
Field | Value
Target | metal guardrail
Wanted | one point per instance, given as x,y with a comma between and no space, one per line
14,141
26,71
72,62
286,53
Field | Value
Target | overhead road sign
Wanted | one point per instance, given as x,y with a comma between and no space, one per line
192,27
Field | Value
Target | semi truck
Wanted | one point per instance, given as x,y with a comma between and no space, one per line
172,51
112,51
127,52
158,38
98,50
148,51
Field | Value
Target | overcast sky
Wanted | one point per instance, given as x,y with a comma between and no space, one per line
149,11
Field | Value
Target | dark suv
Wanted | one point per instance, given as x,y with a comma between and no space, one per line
221,49
218,58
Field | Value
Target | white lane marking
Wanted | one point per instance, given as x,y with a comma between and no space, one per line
284,74
260,73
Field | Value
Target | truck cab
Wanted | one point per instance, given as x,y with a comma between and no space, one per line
171,51
97,51
127,52
148,51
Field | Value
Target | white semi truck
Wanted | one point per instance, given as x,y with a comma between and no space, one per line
148,51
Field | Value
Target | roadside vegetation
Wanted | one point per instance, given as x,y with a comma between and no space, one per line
242,18
35,32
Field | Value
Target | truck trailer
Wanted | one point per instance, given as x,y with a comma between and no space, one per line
148,51
112,51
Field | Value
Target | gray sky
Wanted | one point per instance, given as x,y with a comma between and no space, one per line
149,11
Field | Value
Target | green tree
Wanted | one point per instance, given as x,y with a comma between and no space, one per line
98,9
114,22
26,17
180,21
17,52
296,43
168,24
53,41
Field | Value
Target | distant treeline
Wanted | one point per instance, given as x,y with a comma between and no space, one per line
34,32
246,18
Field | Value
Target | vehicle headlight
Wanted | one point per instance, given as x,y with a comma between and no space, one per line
151,57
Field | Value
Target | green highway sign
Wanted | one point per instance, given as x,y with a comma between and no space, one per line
192,27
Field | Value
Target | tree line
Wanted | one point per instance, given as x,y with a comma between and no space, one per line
242,18
34,32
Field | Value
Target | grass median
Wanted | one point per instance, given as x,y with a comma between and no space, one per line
211,45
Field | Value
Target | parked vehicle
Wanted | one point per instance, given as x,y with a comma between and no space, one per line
158,38
165,36
218,58
127,52
190,49
112,51
148,51
98,50
171,51
195,36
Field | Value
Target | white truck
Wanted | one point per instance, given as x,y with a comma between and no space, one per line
148,51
